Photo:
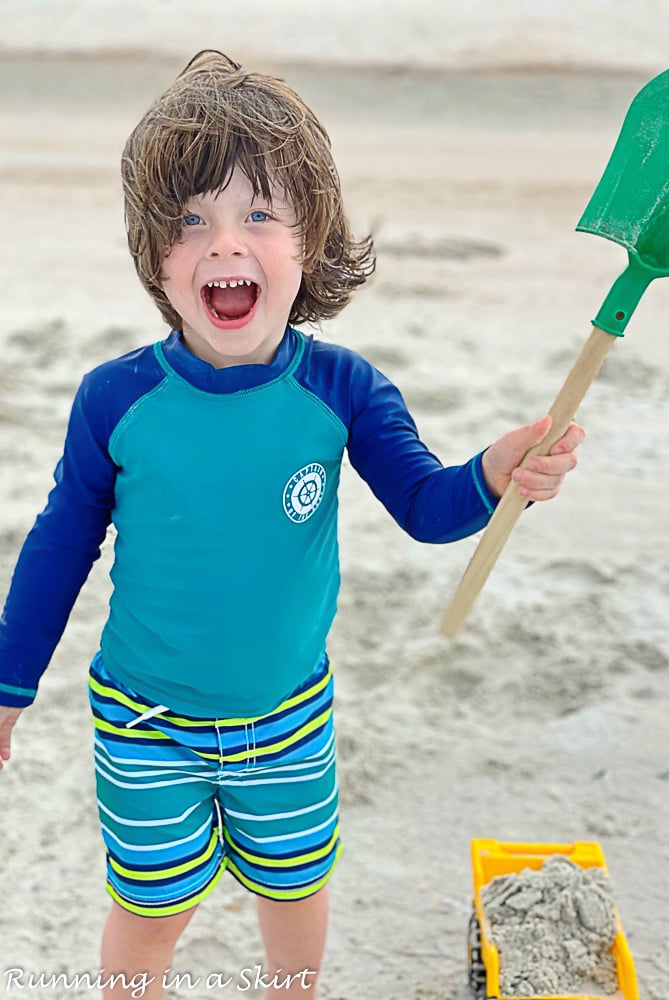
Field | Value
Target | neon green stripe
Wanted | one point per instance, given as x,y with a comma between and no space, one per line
280,894
118,696
284,862
309,727
290,702
140,708
166,911
167,872
131,734
257,752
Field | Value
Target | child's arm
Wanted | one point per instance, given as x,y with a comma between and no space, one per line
433,503
58,553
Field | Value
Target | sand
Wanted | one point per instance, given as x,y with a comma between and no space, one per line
546,719
554,929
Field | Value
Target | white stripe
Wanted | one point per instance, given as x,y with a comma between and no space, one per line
289,836
148,822
285,815
158,847
166,769
235,782
148,784
232,778
325,752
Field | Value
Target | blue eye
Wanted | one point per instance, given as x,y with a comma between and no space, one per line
191,219
259,216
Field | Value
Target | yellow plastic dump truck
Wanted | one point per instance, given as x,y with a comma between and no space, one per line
491,858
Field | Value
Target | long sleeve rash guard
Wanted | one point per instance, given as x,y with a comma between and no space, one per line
222,487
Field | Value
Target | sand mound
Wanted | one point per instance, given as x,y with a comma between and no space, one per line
554,930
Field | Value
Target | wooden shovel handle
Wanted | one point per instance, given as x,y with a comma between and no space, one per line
511,504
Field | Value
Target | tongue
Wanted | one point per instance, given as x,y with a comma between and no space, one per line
233,302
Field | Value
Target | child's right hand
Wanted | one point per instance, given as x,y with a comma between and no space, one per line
8,717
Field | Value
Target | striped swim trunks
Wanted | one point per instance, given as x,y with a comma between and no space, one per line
181,799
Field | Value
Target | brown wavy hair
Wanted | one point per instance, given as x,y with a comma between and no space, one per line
217,116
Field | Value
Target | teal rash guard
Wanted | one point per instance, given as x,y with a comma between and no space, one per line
222,487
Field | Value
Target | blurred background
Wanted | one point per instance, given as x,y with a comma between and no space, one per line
426,33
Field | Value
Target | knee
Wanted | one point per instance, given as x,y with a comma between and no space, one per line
149,931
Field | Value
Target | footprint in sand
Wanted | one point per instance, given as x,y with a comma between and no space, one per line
640,654
576,575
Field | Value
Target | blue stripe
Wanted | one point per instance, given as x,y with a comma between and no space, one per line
479,481
183,860
11,689
283,856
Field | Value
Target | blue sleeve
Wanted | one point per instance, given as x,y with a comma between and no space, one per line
58,553
432,503
65,541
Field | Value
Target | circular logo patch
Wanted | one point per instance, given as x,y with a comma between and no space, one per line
303,492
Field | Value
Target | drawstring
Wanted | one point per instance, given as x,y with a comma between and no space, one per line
156,710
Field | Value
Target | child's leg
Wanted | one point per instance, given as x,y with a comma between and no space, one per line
138,951
282,831
156,795
293,934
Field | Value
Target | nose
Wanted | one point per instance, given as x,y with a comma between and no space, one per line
226,241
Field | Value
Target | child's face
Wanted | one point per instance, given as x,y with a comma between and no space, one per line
234,236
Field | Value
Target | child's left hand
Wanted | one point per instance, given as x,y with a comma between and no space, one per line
543,478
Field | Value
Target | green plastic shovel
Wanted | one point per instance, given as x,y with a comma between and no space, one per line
631,207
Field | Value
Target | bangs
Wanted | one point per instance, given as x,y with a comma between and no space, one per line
208,165
199,132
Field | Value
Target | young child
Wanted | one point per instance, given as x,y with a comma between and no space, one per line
216,453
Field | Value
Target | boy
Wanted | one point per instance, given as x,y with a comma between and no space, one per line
216,455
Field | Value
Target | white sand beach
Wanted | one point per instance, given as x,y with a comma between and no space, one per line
546,719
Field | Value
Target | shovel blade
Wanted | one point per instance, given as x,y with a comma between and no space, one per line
631,202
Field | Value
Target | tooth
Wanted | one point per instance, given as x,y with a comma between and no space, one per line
233,284
214,313
246,281
210,284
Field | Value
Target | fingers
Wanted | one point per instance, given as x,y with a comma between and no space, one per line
542,478
5,745
7,721
572,438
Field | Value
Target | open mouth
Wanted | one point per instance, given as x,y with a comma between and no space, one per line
230,303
